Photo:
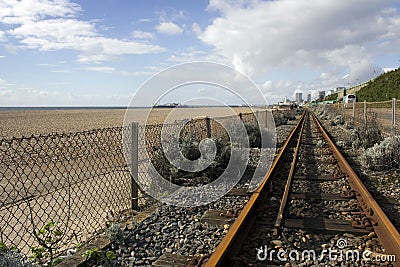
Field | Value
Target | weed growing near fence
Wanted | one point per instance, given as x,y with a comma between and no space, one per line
189,147
281,119
98,257
330,114
115,233
49,238
382,156
10,257
365,135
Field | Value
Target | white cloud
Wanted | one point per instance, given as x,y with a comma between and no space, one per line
101,69
105,69
21,12
61,71
322,36
6,93
5,84
2,36
169,28
2,56
144,20
52,25
170,14
196,28
136,73
143,35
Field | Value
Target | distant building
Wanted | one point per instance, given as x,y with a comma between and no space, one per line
309,98
299,98
338,89
321,95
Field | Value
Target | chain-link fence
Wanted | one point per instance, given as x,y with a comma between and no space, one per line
386,114
82,179
76,179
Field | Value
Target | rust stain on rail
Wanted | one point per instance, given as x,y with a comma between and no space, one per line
385,230
236,233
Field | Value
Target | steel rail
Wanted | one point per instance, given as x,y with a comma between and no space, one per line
386,232
383,227
288,183
230,244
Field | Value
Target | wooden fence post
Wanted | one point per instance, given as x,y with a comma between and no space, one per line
134,165
394,116
208,125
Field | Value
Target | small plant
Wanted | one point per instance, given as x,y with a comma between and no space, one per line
115,233
11,257
48,237
320,144
280,119
365,135
385,155
339,120
96,257
188,145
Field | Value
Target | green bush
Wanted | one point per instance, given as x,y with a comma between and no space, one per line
281,119
365,136
189,147
13,258
97,257
382,156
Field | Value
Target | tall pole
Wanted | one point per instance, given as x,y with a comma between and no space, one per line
134,165
394,116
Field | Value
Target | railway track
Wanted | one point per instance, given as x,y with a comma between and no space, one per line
311,209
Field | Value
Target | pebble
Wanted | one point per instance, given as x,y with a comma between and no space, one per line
324,246
277,243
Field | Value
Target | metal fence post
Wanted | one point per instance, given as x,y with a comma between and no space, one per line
343,111
393,116
266,119
208,126
134,165
365,113
354,113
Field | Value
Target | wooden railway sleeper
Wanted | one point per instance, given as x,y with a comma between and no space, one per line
349,194
233,213
198,261
366,223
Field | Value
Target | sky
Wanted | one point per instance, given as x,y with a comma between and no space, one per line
98,53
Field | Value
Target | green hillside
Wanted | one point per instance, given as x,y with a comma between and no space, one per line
332,97
382,88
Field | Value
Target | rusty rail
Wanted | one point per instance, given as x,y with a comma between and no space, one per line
288,183
230,244
383,227
386,232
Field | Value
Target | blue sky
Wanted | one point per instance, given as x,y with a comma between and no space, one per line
69,53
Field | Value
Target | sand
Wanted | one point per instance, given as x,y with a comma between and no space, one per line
18,123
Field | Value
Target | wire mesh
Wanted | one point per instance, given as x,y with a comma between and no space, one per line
385,113
81,179
75,179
